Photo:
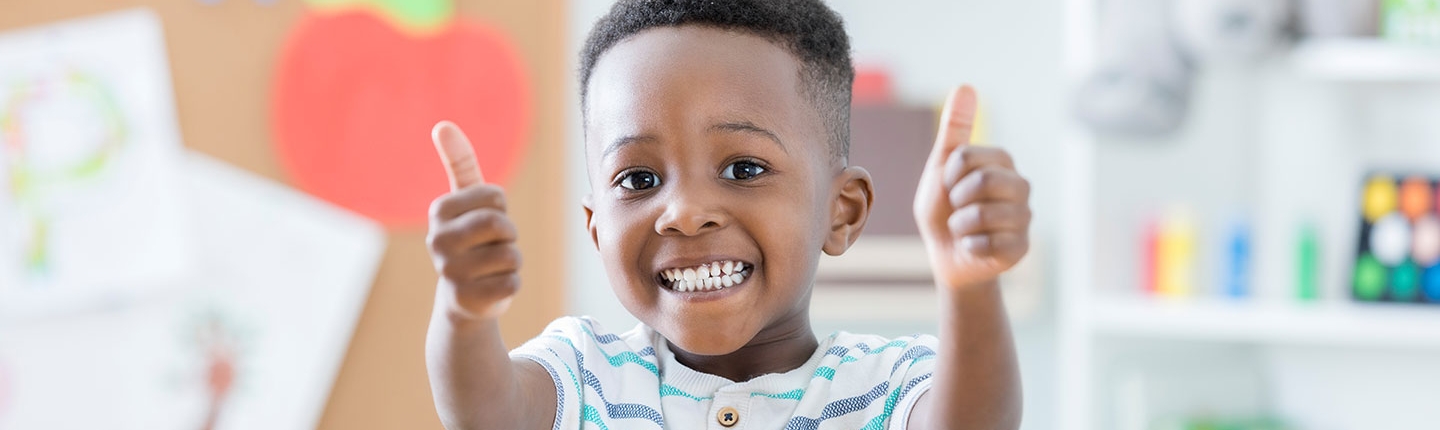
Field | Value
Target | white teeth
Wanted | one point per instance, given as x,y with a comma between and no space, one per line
705,277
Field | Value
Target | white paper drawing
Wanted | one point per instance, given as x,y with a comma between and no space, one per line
89,159
253,339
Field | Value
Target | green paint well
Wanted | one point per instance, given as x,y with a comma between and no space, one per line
1370,278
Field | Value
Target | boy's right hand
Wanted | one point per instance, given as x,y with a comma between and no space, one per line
471,240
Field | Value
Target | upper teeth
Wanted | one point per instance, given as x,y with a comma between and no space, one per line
706,277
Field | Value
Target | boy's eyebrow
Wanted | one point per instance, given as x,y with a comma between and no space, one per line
615,146
749,127
727,126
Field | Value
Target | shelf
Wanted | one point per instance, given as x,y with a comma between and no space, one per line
1366,60
1341,325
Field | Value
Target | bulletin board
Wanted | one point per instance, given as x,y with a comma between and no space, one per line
224,56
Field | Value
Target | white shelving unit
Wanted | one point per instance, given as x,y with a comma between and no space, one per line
1318,324
1098,321
1366,60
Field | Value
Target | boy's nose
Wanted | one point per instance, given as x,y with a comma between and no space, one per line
689,215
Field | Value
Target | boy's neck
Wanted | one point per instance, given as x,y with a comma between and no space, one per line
779,348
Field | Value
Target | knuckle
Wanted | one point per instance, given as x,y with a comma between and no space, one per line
486,221
455,273
967,153
500,285
439,241
1005,156
957,195
432,242
988,215
507,259
437,207
984,178
495,196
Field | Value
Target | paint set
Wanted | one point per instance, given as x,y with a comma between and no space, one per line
1399,242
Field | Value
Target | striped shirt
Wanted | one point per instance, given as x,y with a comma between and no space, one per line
632,381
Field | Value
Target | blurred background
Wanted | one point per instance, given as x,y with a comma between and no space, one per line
212,212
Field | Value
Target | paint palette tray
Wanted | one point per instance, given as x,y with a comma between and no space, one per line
1399,247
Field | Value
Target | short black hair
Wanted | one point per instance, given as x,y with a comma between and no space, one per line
809,29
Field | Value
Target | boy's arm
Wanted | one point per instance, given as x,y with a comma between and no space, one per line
475,382
472,242
973,212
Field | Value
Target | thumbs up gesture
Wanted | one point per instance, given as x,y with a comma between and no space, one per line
972,207
471,240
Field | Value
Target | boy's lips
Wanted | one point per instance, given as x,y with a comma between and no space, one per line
704,275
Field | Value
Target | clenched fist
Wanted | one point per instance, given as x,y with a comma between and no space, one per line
971,205
472,241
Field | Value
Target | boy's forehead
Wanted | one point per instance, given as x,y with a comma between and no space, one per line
693,75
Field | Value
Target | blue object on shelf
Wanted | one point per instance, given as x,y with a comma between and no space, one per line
1237,275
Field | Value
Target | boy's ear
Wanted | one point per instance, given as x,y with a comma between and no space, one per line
587,203
850,209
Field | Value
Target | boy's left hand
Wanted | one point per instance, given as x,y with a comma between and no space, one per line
972,207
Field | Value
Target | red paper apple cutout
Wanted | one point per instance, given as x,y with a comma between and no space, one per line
354,101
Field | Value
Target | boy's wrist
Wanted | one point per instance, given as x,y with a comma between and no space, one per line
967,286
451,311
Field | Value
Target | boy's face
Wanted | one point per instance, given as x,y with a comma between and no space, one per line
701,151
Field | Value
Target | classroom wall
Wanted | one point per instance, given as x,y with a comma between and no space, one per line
222,56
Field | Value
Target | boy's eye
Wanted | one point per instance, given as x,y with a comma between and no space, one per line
639,181
742,170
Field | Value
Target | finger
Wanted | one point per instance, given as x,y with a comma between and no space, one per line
981,218
1004,246
472,229
489,296
451,205
956,122
457,155
482,262
990,184
968,158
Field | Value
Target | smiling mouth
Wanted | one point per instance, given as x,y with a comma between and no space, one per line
713,276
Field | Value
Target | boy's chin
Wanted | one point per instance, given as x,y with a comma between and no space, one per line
706,342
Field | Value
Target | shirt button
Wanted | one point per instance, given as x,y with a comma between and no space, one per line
728,416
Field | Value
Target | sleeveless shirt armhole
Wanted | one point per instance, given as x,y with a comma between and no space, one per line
560,404
557,357
900,420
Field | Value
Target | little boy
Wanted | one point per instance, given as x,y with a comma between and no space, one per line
716,140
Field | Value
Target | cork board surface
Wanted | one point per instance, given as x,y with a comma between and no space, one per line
222,56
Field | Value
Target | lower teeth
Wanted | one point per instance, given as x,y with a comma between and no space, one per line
708,284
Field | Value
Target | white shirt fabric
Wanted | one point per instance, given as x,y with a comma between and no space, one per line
632,381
